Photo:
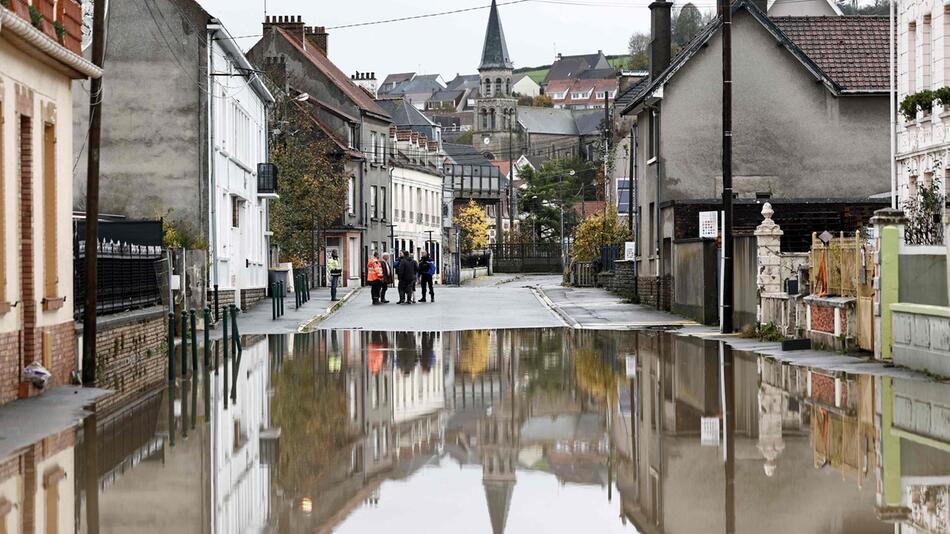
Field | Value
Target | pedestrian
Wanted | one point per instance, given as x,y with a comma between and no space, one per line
387,277
415,275
426,272
335,272
406,273
374,276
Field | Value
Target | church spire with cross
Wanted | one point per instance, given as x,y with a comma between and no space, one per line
495,51
496,108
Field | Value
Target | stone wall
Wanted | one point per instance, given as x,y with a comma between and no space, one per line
9,366
131,355
655,291
225,298
625,280
251,296
922,337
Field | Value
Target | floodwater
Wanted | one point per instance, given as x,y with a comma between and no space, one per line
518,431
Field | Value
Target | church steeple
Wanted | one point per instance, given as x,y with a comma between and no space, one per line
495,51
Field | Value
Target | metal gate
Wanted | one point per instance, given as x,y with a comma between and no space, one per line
527,257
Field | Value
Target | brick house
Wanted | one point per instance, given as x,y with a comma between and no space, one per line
37,66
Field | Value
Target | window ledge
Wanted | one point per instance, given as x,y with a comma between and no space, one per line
52,304
651,161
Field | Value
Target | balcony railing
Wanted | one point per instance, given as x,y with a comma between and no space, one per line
266,179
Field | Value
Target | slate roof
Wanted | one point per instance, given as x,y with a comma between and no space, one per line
355,93
599,74
495,52
403,113
419,84
399,77
554,121
851,50
572,67
447,95
464,154
464,81
848,54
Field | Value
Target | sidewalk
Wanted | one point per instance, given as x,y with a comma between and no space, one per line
259,319
594,308
27,421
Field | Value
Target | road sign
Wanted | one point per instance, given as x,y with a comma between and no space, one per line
630,250
709,224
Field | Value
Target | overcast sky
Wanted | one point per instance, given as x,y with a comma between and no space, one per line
447,44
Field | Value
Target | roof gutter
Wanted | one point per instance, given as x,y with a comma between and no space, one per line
221,35
25,32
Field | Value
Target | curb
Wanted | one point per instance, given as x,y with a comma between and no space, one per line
309,325
554,308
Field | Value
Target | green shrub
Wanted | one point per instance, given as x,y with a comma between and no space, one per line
36,18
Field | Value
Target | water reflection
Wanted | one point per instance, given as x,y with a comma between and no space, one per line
501,431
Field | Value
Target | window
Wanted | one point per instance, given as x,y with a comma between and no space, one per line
911,57
237,206
498,86
382,201
375,443
491,119
487,87
375,157
51,480
351,196
925,45
623,196
351,136
508,86
484,119
50,250
373,191
653,134
558,95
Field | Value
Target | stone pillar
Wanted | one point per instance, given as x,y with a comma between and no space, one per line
889,229
768,236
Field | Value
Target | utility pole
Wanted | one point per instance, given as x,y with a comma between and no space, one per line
92,199
727,245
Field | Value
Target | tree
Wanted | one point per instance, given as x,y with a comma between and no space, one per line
598,229
877,7
557,183
313,184
639,47
525,100
473,226
687,23
543,101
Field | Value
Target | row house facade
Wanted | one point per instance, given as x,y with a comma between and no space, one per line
417,195
297,56
37,68
923,52
184,135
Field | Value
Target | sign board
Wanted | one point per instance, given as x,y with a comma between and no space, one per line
631,365
630,250
709,224
710,432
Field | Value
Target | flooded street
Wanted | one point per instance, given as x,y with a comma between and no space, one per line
555,430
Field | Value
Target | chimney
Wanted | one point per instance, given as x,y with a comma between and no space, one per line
318,37
292,24
660,37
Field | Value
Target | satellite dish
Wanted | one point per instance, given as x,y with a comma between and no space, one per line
487,140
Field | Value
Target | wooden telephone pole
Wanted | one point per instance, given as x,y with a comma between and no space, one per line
727,245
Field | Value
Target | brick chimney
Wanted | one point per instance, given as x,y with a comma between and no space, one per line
291,24
660,37
317,36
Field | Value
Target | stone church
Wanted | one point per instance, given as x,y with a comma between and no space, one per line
496,109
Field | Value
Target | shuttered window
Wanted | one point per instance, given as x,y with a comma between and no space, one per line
50,249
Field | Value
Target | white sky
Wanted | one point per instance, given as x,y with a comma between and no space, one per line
448,44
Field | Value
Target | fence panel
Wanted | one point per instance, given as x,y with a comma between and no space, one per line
840,267
126,277
583,274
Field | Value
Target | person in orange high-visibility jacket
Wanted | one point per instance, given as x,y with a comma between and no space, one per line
374,275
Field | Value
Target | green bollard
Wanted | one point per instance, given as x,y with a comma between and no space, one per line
273,300
171,347
184,343
225,340
194,340
235,335
207,351
280,298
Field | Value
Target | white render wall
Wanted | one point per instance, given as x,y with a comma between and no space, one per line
416,193
240,143
923,47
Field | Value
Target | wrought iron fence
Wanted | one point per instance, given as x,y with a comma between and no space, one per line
126,277
608,255
478,258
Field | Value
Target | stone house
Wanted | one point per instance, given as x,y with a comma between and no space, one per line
819,135
184,137
350,116
37,68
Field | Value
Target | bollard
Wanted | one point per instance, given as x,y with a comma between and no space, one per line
280,299
184,343
235,335
207,351
296,292
194,340
217,310
273,300
184,409
225,340
171,346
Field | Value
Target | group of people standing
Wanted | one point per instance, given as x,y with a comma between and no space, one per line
405,271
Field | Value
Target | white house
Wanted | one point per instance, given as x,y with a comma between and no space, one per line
524,85
417,195
240,188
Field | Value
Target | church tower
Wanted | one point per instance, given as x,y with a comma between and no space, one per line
496,110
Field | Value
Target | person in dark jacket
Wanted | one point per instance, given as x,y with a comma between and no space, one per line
387,277
407,276
426,272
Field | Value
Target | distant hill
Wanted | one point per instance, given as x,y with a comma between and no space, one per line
539,73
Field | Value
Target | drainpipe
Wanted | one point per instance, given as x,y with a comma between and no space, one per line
634,205
656,214
212,193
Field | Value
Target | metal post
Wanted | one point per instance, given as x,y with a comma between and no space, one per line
171,347
273,300
217,309
280,298
235,335
225,340
194,340
207,347
296,292
184,343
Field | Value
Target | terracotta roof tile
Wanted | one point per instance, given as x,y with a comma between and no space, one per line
851,50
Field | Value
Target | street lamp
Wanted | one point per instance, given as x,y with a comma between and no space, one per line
510,114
